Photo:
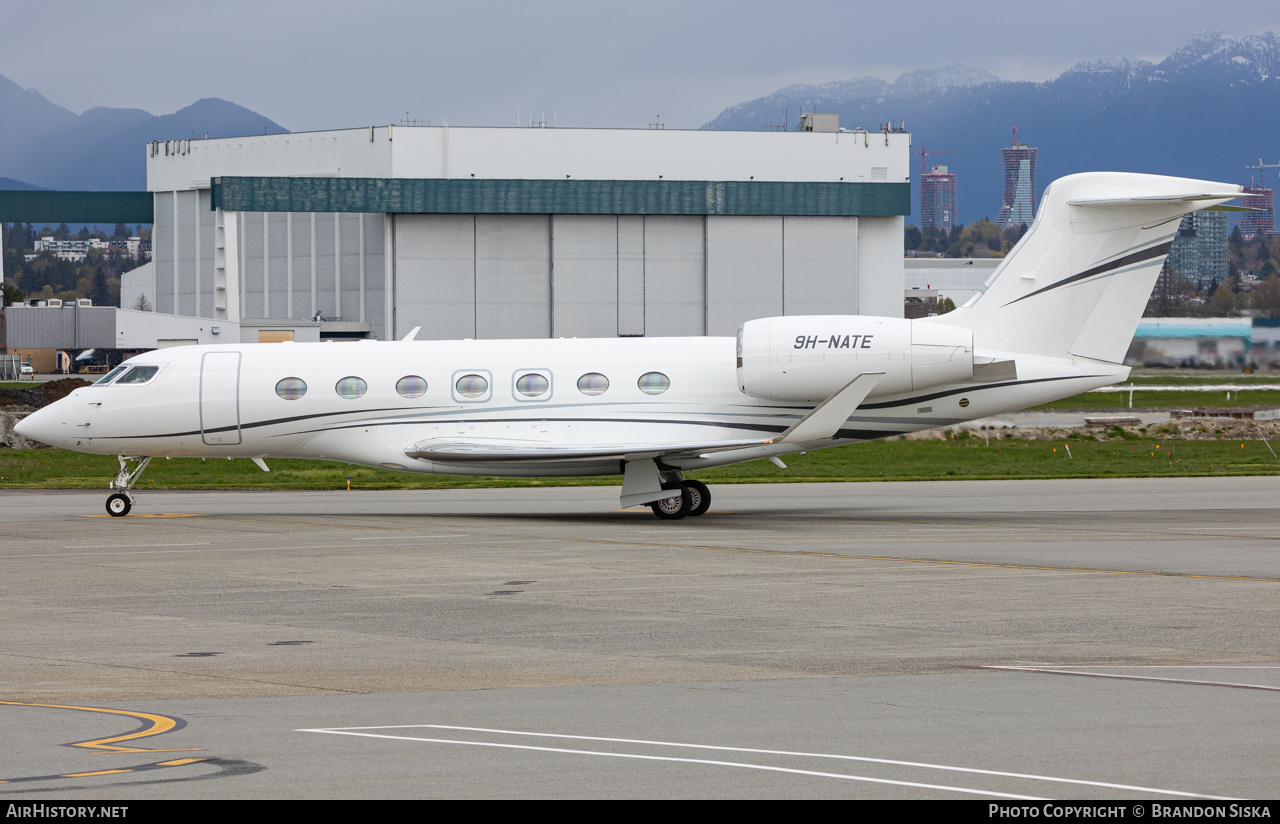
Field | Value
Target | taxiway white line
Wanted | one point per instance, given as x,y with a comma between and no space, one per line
414,537
1219,528
1163,666
1136,678
694,531
130,552
708,762
131,546
175,551
529,541
864,759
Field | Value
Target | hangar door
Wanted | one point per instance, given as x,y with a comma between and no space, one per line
220,398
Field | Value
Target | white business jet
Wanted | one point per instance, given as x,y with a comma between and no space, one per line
1054,320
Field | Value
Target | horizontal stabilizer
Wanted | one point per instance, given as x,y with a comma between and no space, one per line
1152,200
825,419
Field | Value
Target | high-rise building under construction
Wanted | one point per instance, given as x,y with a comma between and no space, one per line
938,199
1199,250
1262,221
1019,204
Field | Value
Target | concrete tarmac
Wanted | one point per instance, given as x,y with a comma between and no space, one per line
1065,639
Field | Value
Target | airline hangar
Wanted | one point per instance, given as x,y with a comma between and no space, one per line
524,232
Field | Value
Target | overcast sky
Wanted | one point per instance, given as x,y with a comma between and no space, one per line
327,64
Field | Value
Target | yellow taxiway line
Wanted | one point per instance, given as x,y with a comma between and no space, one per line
154,725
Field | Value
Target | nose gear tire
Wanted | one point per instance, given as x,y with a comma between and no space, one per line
118,505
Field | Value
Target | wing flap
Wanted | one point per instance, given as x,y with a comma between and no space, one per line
460,450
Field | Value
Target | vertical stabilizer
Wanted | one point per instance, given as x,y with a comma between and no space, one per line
1077,282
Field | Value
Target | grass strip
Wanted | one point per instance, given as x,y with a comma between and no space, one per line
1271,381
967,457
1167,400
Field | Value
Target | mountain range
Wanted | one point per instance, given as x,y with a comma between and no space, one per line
1205,111
10,183
46,146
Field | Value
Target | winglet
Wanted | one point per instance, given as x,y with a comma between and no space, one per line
825,419
413,333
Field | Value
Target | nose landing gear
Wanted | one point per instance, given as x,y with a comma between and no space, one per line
119,503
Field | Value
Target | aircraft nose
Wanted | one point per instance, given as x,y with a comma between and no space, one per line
42,425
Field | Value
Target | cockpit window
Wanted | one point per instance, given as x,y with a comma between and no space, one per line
139,374
110,376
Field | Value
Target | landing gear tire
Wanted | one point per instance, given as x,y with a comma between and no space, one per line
118,505
701,496
675,507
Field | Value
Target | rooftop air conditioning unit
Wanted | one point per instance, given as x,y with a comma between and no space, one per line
54,302
84,302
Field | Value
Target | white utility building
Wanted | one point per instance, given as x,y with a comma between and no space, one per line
527,232
955,278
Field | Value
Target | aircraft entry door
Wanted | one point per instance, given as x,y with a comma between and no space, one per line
220,398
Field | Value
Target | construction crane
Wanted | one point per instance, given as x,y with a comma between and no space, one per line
1261,167
924,156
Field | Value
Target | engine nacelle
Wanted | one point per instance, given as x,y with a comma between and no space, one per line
810,357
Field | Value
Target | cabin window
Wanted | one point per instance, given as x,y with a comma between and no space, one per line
110,376
593,383
351,388
532,385
472,386
654,383
411,386
291,388
139,374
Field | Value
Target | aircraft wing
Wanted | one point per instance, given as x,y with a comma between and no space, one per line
821,423
484,450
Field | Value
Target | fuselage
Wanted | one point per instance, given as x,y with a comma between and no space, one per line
365,403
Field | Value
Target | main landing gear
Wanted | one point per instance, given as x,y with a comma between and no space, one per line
119,503
688,498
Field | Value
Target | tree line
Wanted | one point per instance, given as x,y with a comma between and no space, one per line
46,276
1252,284
1251,287
981,239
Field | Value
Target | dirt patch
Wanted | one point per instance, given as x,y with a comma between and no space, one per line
16,404
1183,429
41,394
59,389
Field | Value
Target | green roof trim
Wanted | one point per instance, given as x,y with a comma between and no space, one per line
583,197
76,207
